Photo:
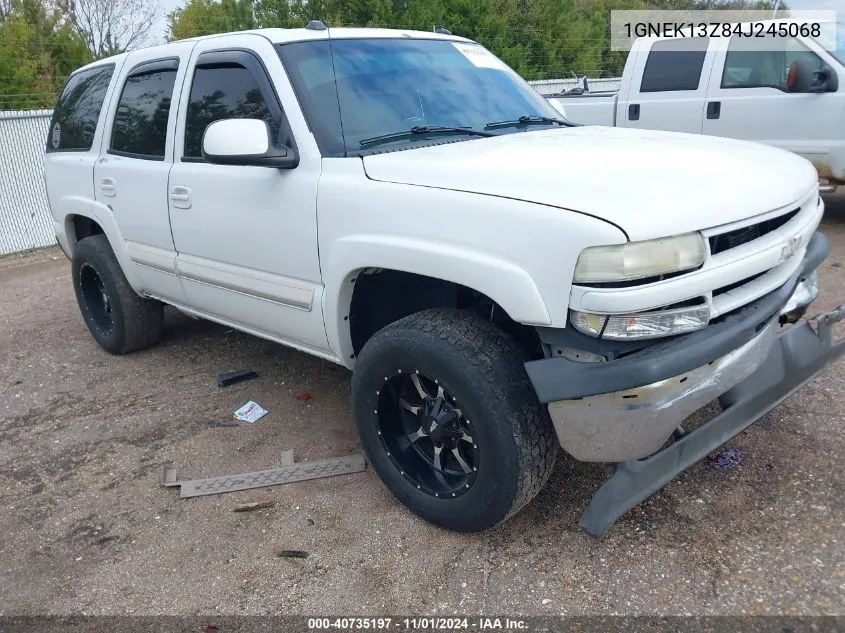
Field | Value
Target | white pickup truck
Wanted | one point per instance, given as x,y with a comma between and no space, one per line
405,205
790,95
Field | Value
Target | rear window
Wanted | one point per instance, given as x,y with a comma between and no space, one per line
75,115
672,65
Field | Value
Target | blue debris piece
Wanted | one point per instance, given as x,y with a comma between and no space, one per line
726,459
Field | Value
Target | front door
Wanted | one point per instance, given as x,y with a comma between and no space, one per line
754,103
246,237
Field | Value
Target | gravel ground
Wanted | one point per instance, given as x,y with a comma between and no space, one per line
86,528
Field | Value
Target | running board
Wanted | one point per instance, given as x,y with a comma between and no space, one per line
288,473
799,355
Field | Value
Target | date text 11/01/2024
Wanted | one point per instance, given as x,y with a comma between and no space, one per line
417,624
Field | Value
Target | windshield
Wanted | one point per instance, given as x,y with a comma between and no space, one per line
839,53
358,89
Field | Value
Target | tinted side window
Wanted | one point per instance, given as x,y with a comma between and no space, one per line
748,63
223,91
75,115
672,65
140,124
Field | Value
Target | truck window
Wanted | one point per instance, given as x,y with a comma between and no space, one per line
673,65
759,63
140,124
78,110
223,91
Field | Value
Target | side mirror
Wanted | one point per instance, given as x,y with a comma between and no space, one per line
245,142
803,77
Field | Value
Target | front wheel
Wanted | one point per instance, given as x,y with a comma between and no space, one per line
449,420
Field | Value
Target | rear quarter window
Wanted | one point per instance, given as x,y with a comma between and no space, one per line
78,110
672,65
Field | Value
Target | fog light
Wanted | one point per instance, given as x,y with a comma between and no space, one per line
643,325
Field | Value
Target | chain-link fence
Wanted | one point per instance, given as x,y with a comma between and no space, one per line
25,221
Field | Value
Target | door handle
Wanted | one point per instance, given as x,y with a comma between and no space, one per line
714,109
180,197
634,112
107,187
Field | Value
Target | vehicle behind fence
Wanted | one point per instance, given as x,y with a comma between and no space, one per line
25,221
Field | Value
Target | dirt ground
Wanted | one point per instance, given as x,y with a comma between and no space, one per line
86,528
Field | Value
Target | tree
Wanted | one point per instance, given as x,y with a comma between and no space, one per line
38,50
204,17
538,38
111,26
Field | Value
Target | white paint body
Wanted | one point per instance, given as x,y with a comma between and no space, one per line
272,252
810,125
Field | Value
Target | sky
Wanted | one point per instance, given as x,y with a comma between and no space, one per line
160,28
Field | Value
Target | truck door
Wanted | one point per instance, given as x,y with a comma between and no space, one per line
247,236
668,86
748,98
130,177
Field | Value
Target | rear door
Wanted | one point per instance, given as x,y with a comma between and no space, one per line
73,141
131,176
668,86
748,98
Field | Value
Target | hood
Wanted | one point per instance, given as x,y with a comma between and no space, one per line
648,183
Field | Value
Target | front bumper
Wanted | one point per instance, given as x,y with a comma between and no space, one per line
626,409
797,356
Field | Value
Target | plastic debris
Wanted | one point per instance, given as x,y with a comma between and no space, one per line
232,377
294,553
255,505
303,395
725,459
251,412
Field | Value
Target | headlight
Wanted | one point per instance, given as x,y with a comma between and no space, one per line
642,325
639,260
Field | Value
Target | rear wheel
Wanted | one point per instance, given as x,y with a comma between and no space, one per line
120,320
449,419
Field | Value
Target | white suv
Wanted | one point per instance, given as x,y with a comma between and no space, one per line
499,280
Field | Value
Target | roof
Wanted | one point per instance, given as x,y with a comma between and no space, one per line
280,36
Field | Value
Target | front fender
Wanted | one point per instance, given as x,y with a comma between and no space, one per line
510,286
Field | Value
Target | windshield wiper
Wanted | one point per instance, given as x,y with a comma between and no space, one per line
419,130
530,119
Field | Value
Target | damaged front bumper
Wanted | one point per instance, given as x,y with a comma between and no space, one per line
624,411
797,356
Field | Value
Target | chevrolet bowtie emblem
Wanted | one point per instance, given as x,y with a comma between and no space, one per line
790,248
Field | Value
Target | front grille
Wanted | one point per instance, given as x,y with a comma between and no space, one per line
741,282
726,241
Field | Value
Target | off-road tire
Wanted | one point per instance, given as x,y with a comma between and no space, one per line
129,322
483,368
